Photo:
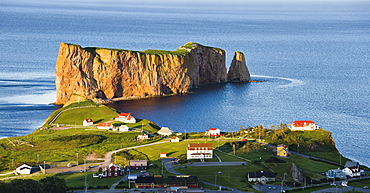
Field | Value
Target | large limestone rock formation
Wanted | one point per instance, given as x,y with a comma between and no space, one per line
238,71
104,74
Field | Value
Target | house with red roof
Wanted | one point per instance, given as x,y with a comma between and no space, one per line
174,139
87,122
352,169
114,171
353,172
303,125
213,132
125,117
105,126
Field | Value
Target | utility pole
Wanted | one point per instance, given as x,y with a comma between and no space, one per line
85,183
129,173
215,179
162,168
77,159
234,148
44,168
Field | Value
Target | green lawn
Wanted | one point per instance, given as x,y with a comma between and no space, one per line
98,114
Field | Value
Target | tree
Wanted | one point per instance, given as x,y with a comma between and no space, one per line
25,186
53,185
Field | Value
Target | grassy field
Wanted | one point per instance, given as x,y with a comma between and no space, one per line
98,114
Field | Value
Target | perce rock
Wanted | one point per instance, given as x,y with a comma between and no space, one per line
103,74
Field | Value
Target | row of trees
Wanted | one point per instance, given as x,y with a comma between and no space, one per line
45,185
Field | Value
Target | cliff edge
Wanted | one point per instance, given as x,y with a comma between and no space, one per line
104,74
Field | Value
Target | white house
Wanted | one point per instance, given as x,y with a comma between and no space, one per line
105,126
261,176
353,172
164,131
352,169
199,151
23,169
142,137
123,128
174,139
303,125
87,122
125,117
163,155
213,132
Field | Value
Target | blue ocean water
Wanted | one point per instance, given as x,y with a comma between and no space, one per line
314,60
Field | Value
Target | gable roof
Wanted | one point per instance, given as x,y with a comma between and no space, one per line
302,123
351,164
193,146
88,120
104,124
138,162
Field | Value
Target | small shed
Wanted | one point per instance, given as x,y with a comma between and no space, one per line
24,169
174,139
163,155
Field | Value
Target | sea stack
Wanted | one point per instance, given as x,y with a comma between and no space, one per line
238,71
103,74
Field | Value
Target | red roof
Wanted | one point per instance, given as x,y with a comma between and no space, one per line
104,124
302,123
213,129
127,115
88,120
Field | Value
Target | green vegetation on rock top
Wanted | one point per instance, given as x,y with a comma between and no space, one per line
181,51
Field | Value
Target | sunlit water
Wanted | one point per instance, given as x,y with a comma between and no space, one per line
314,62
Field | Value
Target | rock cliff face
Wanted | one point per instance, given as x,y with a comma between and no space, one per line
238,71
103,74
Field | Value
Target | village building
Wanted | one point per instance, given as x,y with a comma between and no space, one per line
163,155
105,126
142,137
138,164
114,171
125,117
199,151
261,176
213,132
87,122
164,131
24,169
179,183
123,128
282,151
336,173
352,169
303,125
174,139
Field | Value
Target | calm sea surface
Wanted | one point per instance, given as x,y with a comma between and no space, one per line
315,62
